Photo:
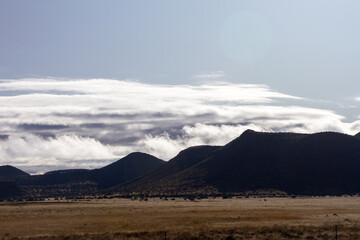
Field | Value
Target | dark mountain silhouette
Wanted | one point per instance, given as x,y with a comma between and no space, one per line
133,165
65,171
10,173
9,190
184,160
125,169
321,163
58,177
312,164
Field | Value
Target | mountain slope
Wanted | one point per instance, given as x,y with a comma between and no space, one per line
125,169
357,135
132,166
59,177
9,190
160,176
10,173
321,163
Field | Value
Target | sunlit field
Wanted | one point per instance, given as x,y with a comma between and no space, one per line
236,218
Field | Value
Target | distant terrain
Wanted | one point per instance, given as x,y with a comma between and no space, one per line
310,164
79,182
325,163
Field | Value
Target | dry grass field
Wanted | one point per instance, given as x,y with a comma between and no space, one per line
245,218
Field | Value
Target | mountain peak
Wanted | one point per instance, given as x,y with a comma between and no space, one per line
131,166
10,171
134,158
248,131
320,163
137,155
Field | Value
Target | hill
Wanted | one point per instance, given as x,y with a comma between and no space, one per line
10,190
125,169
132,166
59,177
156,181
10,173
313,164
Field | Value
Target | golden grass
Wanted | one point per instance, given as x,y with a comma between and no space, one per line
246,218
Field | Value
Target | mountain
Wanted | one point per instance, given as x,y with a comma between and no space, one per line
133,165
9,190
125,169
314,164
160,176
10,173
321,163
59,177
326,163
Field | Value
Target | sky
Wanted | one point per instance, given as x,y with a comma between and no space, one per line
85,82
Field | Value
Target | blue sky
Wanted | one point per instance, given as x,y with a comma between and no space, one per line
308,51
314,47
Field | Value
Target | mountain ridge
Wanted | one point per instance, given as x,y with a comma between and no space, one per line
320,163
326,163
79,182
9,173
185,159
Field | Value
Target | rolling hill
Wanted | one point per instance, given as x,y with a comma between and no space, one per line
325,163
10,173
313,164
8,176
125,169
157,180
132,166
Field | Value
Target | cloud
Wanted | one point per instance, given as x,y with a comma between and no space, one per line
29,149
165,147
30,127
105,119
209,75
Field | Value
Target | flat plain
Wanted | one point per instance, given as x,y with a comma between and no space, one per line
212,218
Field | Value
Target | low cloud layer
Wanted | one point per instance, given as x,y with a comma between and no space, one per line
68,123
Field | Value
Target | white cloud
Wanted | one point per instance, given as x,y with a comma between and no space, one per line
200,134
209,75
166,147
70,150
104,119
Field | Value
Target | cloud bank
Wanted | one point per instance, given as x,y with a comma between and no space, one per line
87,123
